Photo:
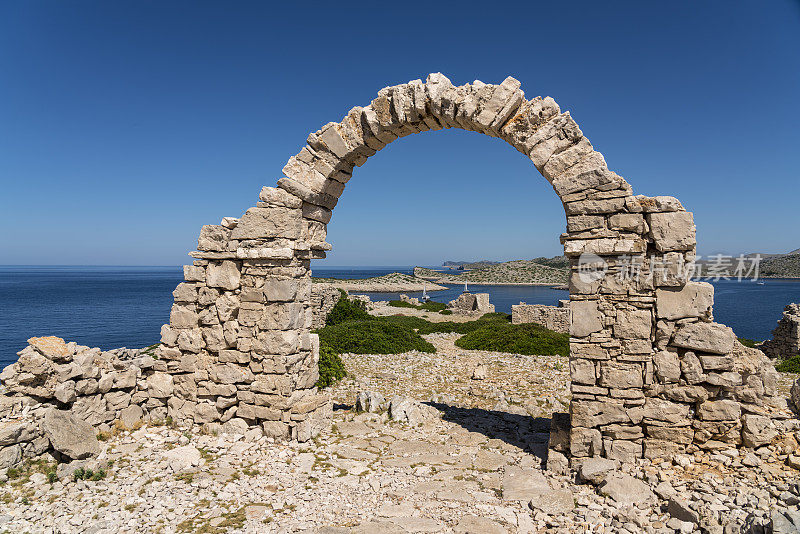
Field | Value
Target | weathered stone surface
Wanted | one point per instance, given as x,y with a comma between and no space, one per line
667,366
625,489
720,410
705,337
160,385
633,324
757,430
272,222
672,231
225,275
586,318
621,375
69,435
594,470
695,299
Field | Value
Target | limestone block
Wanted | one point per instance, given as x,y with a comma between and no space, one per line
288,316
594,207
585,442
622,450
716,363
117,400
225,275
705,337
183,316
227,307
589,173
159,385
691,368
660,448
205,412
192,273
621,375
92,409
670,269
276,197
672,231
720,410
687,393
316,213
169,336
590,413
555,136
582,223
676,434
213,238
65,392
586,318
130,416
603,246
628,222
281,290
328,197
695,299
717,431
230,373
656,409
70,435
191,340
214,338
757,430
633,324
206,296
659,203
582,371
274,222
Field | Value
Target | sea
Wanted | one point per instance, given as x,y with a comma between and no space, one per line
111,307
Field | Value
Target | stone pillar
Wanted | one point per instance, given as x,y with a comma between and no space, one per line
239,342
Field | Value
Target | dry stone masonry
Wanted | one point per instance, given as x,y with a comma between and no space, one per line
471,304
652,373
556,318
785,342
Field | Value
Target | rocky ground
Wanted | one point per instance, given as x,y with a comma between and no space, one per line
466,460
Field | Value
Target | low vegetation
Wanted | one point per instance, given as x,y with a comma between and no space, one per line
331,367
430,306
372,336
350,329
346,309
529,339
790,365
747,342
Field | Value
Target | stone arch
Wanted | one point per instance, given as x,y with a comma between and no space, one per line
651,373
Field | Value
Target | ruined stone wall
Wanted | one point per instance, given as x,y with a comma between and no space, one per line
785,342
471,304
323,299
556,318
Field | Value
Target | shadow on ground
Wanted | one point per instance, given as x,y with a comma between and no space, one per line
531,434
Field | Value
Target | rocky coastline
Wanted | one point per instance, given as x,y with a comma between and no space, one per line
390,283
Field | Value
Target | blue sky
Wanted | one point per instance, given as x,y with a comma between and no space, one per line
125,126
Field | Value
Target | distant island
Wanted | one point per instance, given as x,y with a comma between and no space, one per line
771,265
538,271
388,283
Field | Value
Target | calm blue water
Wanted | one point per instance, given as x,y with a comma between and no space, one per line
111,307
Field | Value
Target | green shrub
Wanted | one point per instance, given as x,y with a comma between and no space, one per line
527,339
346,310
88,474
748,342
331,367
372,336
446,312
792,365
426,306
